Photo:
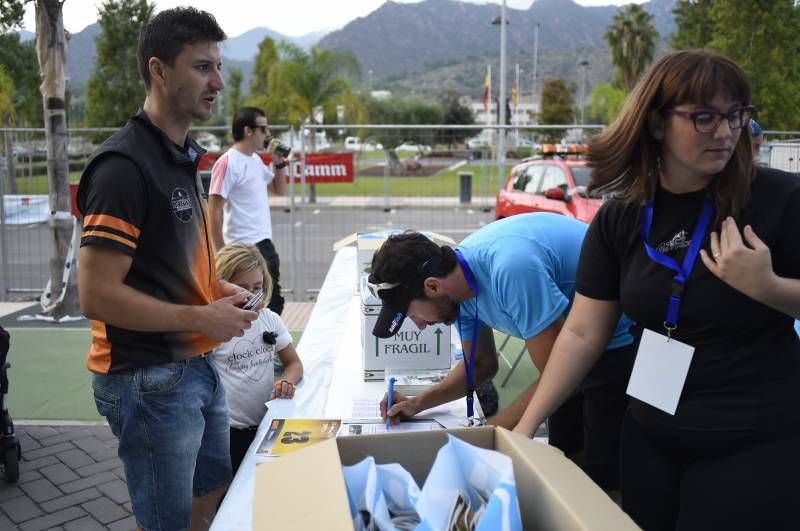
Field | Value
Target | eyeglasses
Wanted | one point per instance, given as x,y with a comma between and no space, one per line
374,289
262,127
709,121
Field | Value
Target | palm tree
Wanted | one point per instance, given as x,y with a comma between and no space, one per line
6,118
307,86
631,37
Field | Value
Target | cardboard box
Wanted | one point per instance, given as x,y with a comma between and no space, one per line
306,490
409,348
367,243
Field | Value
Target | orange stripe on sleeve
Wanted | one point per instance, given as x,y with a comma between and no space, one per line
113,223
108,235
99,359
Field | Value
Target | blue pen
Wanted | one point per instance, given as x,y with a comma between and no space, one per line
389,401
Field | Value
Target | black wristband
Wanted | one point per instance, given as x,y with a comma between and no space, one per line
281,165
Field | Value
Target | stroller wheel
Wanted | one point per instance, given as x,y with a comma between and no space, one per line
10,464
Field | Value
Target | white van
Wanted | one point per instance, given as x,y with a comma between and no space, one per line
353,143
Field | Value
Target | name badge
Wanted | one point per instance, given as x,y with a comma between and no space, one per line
659,371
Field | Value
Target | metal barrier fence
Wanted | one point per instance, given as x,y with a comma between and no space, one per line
438,178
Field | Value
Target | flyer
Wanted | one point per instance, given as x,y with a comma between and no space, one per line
285,436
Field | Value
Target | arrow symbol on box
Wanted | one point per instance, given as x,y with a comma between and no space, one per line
438,340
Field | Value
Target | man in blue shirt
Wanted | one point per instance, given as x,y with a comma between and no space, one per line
516,275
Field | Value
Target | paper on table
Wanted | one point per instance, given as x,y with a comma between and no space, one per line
365,407
370,428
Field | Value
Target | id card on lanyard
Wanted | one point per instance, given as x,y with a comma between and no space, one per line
469,364
662,363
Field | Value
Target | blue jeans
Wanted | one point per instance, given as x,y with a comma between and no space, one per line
172,424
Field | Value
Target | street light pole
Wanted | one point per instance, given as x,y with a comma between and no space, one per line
535,63
501,144
584,64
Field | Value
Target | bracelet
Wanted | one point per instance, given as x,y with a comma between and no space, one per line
281,165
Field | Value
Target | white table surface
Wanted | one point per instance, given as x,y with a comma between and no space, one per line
330,349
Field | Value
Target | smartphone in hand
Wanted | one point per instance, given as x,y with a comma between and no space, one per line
253,302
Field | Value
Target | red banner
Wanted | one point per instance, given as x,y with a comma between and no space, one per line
320,167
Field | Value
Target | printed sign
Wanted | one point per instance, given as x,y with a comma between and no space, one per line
320,167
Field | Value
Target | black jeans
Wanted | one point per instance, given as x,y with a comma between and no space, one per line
274,266
684,480
592,418
241,438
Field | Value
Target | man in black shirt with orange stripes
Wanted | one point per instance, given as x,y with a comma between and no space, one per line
147,280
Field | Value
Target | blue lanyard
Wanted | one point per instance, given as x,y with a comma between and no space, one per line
682,272
469,365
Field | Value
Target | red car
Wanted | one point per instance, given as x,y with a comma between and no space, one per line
548,185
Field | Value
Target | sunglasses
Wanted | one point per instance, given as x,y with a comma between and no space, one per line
262,127
427,268
374,289
709,121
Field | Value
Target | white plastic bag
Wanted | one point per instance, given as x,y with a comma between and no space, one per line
469,488
382,497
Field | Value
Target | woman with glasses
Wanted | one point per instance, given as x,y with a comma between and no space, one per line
700,248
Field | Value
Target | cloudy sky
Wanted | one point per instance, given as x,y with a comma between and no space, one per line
290,17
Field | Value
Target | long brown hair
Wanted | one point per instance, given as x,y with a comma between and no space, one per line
624,158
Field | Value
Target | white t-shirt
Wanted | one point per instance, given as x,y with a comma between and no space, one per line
242,181
246,367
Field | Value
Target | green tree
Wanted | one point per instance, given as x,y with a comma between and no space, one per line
762,38
631,37
313,83
403,111
693,24
260,94
11,12
6,95
19,60
51,52
412,111
7,119
233,89
454,114
303,87
114,90
557,106
606,102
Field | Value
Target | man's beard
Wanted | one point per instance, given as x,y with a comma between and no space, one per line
446,309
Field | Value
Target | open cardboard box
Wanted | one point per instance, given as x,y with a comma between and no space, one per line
305,490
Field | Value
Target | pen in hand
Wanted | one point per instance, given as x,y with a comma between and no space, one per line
389,401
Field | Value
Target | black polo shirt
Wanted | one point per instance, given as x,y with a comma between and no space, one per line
140,195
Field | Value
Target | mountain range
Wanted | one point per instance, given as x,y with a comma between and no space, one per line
413,47
237,51
399,37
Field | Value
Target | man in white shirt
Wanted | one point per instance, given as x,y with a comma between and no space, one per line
238,198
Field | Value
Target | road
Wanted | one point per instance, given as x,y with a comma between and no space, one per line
304,241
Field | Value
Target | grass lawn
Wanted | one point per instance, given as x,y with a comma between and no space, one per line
48,379
442,184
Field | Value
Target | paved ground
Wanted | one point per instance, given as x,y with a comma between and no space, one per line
70,476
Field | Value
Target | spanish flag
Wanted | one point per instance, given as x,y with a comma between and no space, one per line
487,88
514,95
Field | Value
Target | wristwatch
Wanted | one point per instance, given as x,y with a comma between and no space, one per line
281,165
